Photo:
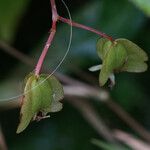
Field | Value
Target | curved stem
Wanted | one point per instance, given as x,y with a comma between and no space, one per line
55,18
68,21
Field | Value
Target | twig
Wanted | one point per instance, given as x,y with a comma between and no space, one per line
16,53
74,24
9,104
81,90
128,120
50,38
126,138
30,61
85,76
86,91
92,117
55,18
2,141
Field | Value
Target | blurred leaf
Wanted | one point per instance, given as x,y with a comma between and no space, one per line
10,14
144,5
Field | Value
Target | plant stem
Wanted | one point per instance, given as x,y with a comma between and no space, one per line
55,18
68,21
44,52
50,38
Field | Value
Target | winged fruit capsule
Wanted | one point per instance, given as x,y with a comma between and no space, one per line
117,56
42,94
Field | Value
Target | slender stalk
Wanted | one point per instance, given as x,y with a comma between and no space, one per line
44,52
55,18
50,38
54,11
68,21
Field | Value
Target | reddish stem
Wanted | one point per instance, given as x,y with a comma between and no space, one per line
44,52
55,18
50,38
68,21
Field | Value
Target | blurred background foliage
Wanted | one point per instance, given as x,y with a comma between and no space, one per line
24,24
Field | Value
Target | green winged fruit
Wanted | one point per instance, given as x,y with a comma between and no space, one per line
117,56
42,94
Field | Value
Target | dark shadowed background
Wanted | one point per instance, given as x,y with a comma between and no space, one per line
25,26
